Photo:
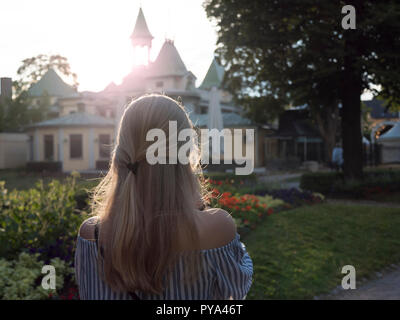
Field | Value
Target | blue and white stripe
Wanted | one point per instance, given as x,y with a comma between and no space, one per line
226,274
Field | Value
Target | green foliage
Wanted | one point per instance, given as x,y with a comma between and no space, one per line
42,219
21,278
297,51
274,47
333,184
17,113
33,69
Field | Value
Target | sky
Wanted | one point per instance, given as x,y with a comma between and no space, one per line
94,35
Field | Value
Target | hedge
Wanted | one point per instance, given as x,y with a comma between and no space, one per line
39,166
333,183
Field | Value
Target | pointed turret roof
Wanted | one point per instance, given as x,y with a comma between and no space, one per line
141,34
52,84
214,76
168,62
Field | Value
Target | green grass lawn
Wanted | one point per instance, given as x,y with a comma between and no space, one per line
300,253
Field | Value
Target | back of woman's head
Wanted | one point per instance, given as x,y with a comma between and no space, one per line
147,211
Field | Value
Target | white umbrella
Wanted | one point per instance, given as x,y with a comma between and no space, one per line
214,113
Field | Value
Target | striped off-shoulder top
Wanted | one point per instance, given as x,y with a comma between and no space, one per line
226,274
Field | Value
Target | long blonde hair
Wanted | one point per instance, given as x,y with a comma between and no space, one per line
146,212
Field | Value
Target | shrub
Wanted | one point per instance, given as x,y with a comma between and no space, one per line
40,220
247,210
333,183
21,278
39,166
294,197
231,177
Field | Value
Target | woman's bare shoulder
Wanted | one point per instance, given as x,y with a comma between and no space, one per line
86,230
217,228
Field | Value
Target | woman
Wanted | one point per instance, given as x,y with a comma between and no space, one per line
148,238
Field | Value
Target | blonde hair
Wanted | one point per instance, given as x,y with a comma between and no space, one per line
148,213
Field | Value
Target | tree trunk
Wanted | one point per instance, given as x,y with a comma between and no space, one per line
351,111
328,121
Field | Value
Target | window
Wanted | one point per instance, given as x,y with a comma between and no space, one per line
48,147
104,146
75,145
204,110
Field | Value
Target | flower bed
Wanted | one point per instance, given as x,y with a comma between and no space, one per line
38,227
247,210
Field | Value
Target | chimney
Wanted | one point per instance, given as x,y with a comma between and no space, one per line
5,89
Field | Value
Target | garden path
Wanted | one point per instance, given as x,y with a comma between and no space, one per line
281,180
387,287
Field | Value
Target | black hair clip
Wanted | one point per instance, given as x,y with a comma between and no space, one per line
133,167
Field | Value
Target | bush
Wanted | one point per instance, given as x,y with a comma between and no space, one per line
294,197
231,177
21,278
39,166
333,183
40,220
247,210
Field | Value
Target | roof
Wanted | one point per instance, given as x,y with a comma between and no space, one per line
392,134
214,76
168,62
141,34
228,119
378,109
76,119
53,85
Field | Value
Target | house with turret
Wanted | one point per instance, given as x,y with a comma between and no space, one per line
81,130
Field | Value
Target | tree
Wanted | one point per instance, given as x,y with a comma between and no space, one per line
33,69
18,112
298,50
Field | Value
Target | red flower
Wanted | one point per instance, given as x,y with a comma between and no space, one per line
248,208
246,221
270,211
